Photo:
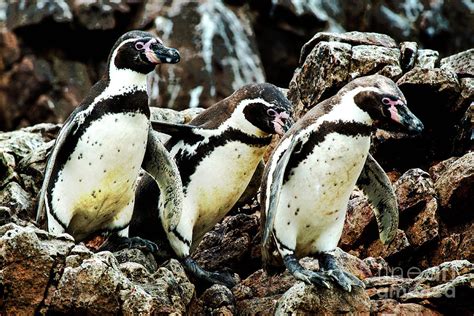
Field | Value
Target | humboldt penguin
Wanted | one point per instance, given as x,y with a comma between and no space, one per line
217,154
90,178
313,170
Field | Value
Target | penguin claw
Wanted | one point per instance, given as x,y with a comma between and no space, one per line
142,244
344,279
116,243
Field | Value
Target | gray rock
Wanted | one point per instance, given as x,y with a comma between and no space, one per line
352,38
172,116
17,199
427,58
302,299
370,59
22,14
137,256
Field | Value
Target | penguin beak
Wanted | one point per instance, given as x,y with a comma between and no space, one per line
282,123
160,54
400,113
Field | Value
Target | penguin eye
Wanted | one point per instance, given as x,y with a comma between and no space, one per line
139,46
386,101
272,112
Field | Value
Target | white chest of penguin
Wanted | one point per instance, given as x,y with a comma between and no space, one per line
219,181
97,183
313,201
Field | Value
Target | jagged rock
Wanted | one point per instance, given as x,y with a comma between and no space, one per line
352,38
325,70
370,59
219,50
378,266
427,59
14,197
388,287
137,256
301,299
395,248
98,284
455,190
229,245
462,63
172,116
418,206
438,169
29,258
449,286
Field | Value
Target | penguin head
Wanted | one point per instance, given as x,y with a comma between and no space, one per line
140,52
380,97
267,108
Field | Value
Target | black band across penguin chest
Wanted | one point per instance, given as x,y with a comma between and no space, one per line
189,159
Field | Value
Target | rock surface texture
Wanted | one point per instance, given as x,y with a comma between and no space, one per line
47,65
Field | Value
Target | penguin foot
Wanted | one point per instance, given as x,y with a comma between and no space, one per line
302,274
224,278
344,279
115,243
332,271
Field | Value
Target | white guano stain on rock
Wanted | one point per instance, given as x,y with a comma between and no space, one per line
219,21
194,97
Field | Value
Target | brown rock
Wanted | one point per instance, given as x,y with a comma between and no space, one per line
399,243
418,206
378,266
216,300
454,246
9,49
229,245
393,307
455,188
301,299
325,70
28,259
462,63
359,215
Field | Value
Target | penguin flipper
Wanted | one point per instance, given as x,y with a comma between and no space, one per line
377,187
173,129
274,181
65,131
162,167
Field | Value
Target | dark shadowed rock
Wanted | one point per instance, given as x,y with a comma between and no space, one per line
464,140
216,300
408,52
302,299
399,243
9,48
230,244
22,14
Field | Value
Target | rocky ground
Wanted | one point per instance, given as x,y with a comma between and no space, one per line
48,61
